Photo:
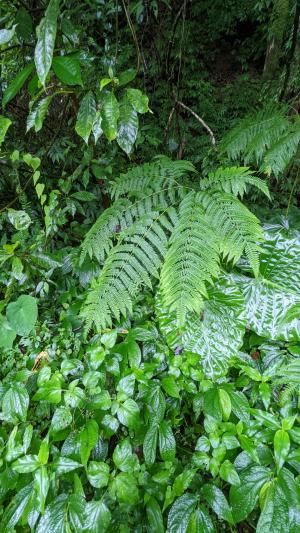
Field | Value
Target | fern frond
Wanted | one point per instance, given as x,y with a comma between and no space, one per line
280,154
233,180
130,264
191,260
238,228
254,134
151,177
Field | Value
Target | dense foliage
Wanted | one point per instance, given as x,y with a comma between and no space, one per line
150,266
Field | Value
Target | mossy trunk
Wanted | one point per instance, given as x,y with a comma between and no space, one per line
279,21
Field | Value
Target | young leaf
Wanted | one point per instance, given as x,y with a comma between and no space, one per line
229,473
4,125
16,84
110,114
41,487
281,447
86,116
46,34
150,444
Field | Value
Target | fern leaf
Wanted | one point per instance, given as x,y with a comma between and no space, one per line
150,177
280,154
129,265
191,260
233,180
254,134
238,228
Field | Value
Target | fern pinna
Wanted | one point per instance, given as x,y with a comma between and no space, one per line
164,226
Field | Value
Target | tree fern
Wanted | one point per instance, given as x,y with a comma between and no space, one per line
233,180
191,260
278,157
201,226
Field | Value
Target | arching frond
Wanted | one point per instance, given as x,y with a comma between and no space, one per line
151,177
239,230
191,260
130,264
278,157
254,134
233,180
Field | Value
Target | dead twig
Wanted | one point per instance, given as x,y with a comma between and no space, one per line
213,140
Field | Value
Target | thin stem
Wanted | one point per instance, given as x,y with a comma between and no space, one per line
213,140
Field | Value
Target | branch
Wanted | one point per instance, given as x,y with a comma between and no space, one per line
213,140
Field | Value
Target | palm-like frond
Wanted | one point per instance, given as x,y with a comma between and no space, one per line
238,228
278,157
233,180
191,260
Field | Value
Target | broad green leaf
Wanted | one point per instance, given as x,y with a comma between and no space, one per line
167,443
86,116
125,488
96,128
275,513
46,35
15,509
61,419
243,498
123,456
110,114
15,403
7,35
217,335
180,513
170,386
281,447
217,501
37,116
76,511
225,404
16,84
67,69
24,27
28,463
128,126
156,404
55,516
98,474
128,413
154,516
229,473
88,440
239,404
150,444
50,391
22,314
211,404
7,333
138,100
97,517
4,125
19,219
127,76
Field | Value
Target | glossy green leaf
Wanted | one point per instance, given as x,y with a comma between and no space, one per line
76,511
125,487
24,29
50,391
62,465
67,69
154,516
61,419
19,219
46,35
41,487
110,114
14,511
55,516
170,386
243,498
15,403
22,314
138,100
166,440
98,474
88,440
150,444
16,84
217,501
4,125
123,456
128,413
98,517
281,447
275,512
37,116
201,522
229,473
28,463
128,126
86,116
180,513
